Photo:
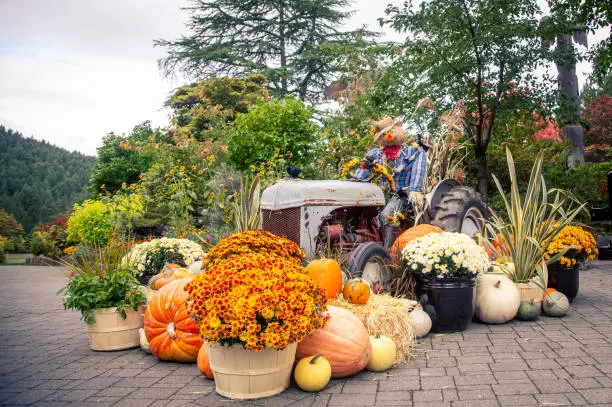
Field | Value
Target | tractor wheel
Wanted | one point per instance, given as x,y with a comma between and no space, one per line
371,262
460,210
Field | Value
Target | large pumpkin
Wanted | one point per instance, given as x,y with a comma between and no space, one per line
327,274
204,362
171,331
343,341
409,235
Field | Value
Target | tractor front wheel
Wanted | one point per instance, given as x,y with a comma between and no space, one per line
460,210
371,262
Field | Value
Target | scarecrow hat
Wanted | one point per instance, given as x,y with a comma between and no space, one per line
388,132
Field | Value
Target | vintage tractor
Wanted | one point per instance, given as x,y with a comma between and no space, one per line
342,218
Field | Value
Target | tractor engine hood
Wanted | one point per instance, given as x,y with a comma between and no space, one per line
292,193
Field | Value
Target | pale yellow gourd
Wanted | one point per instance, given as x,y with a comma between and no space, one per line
383,353
497,298
312,373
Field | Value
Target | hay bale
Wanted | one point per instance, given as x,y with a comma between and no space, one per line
387,315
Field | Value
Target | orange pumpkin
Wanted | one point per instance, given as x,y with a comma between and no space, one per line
343,341
204,362
171,331
160,282
409,235
356,291
327,274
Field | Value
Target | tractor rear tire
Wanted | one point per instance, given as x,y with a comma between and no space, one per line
371,262
460,210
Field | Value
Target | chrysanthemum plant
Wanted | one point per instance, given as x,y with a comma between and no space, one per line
534,220
257,300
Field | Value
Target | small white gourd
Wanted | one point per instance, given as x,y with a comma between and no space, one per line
497,298
420,321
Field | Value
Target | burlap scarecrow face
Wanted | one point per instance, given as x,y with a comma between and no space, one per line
387,132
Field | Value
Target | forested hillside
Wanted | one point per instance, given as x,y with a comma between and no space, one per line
39,180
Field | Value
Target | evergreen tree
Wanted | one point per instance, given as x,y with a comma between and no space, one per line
290,42
39,180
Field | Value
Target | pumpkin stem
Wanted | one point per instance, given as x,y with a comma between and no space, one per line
497,284
377,336
171,330
313,360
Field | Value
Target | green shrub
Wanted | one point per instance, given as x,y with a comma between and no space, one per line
276,127
90,224
37,246
588,183
2,251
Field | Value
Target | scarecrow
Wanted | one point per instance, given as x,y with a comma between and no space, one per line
407,163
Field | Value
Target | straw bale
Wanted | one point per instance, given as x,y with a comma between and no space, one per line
387,315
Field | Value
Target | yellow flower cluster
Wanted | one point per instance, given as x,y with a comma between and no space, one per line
69,250
258,300
585,247
377,168
346,167
257,241
385,173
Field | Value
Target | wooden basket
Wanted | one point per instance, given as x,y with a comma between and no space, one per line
246,374
530,291
110,331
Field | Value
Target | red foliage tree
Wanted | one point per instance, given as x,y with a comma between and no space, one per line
598,115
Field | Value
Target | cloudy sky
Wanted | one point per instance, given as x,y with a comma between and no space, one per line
73,70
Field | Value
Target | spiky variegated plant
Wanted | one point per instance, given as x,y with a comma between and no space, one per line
247,205
533,222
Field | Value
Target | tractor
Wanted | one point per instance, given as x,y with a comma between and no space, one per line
342,217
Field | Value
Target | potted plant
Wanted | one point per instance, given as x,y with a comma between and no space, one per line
253,309
150,257
533,222
108,296
448,264
576,246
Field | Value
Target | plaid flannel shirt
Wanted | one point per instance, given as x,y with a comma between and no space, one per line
408,167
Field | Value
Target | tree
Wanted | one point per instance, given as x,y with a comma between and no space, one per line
287,41
204,110
120,160
590,15
598,115
482,52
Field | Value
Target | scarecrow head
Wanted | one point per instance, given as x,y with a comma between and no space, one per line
388,132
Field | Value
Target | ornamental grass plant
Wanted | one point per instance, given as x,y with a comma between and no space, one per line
101,280
534,221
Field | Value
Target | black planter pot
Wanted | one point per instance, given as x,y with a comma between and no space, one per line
565,279
453,301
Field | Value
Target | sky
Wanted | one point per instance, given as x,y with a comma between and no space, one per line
72,71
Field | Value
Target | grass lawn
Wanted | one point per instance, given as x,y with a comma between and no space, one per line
15,259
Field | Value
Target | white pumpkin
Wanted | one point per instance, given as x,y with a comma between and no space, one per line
497,298
420,321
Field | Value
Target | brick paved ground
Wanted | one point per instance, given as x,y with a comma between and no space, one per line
45,360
